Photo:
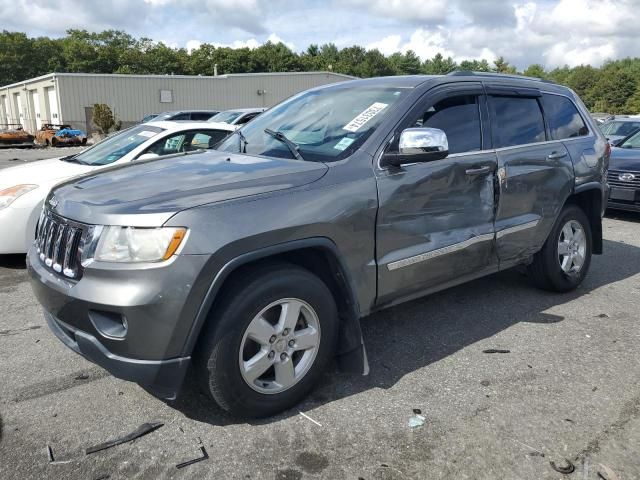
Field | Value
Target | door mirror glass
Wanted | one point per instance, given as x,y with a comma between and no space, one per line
418,145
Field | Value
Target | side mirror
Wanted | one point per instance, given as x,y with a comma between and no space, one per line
418,145
147,156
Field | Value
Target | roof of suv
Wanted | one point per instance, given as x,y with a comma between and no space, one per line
412,81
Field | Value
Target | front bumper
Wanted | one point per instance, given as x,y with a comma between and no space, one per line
624,199
155,305
162,377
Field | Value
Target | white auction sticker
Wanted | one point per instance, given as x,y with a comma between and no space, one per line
147,134
357,123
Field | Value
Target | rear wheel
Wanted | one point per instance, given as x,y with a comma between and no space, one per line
565,258
268,341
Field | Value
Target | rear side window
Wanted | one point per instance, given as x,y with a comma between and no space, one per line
201,116
516,121
459,118
563,117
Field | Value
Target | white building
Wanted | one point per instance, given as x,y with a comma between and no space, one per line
68,97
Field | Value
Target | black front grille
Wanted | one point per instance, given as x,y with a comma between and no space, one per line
613,178
58,243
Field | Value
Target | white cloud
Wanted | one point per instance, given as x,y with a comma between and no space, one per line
191,44
551,32
273,38
413,11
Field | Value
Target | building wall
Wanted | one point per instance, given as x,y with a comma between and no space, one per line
131,97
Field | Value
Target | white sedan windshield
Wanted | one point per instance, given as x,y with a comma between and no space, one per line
117,146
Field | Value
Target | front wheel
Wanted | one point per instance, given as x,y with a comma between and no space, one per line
565,258
268,341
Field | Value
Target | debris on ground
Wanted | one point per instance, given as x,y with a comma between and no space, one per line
605,473
16,331
82,376
565,468
417,421
310,419
204,456
496,350
142,430
485,383
603,315
52,459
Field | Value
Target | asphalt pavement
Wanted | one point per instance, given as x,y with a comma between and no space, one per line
566,390
10,157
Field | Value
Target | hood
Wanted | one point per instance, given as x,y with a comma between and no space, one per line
41,172
148,193
627,159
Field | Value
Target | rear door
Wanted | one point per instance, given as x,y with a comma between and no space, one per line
435,219
535,173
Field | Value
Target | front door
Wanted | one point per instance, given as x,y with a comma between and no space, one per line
435,220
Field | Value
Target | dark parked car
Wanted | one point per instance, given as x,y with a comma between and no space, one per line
253,264
619,128
624,175
194,115
239,116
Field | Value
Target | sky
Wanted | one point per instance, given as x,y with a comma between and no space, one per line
550,32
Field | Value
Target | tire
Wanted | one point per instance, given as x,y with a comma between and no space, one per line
547,269
226,354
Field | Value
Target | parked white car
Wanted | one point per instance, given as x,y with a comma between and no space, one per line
23,188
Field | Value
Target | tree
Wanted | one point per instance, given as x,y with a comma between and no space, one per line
500,65
632,105
614,91
535,70
104,119
475,66
439,65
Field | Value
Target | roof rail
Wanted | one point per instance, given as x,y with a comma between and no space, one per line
469,73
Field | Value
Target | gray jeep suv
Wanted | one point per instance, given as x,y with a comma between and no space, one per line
253,264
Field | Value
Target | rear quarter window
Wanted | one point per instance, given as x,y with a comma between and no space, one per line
516,121
563,117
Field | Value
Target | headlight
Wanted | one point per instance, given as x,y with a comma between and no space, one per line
9,195
130,244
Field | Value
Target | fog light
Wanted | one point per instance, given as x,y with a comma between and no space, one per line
109,324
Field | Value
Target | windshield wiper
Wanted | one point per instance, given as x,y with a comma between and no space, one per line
72,159
281,137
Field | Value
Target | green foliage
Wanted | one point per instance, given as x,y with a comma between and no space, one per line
104,119
614,87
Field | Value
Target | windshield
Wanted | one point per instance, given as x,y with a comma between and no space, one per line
620,128
631,142
326,125
225,117
113,148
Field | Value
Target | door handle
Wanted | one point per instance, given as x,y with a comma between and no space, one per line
556,155
479,170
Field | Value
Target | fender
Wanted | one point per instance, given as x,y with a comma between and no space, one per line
596,220
351,351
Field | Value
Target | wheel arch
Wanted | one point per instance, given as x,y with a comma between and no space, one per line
589,198
321,256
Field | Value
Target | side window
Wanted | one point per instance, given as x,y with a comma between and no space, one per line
459,118
207,139
516,121
247,118
168,145
181,116
200,116
563,117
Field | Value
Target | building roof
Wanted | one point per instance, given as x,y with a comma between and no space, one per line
204,77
